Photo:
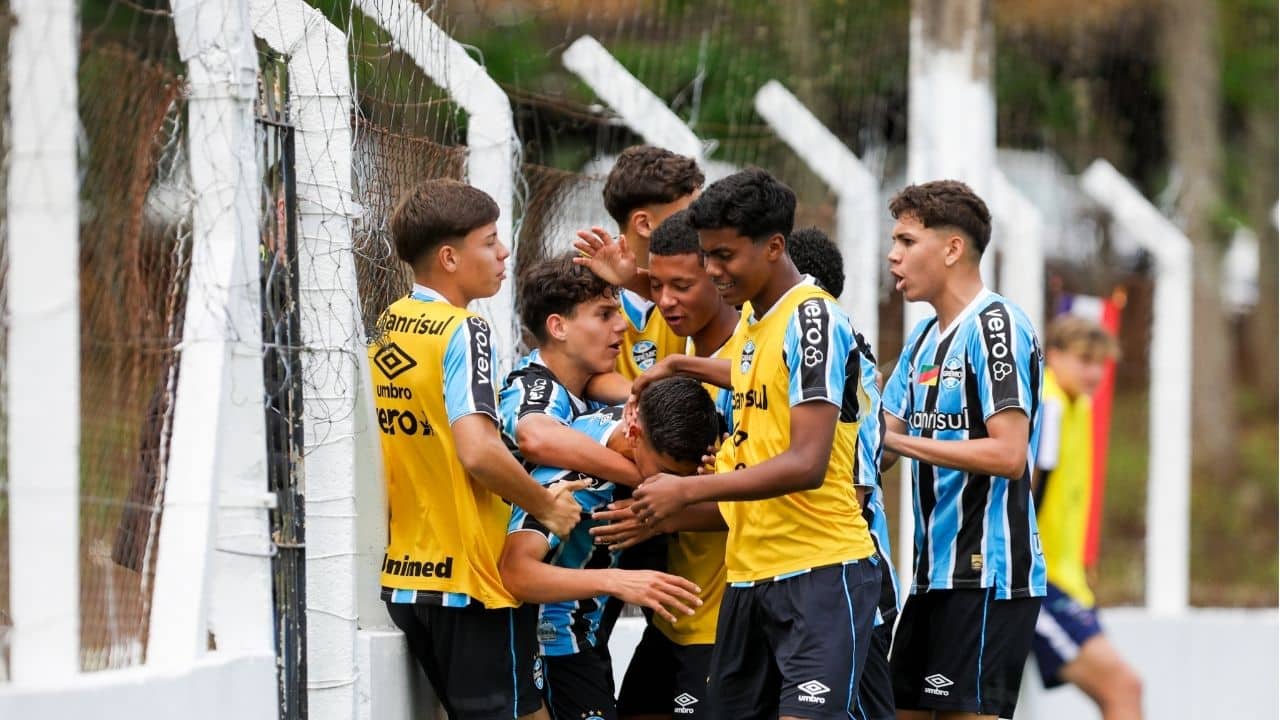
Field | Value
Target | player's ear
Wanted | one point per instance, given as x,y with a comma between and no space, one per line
956,246
642,222
447,257
775,247
556,327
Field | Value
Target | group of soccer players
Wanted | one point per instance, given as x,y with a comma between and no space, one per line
700,431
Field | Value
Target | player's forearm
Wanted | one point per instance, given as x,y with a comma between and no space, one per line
550,443
708,370
700,517
982,456
792,471
610,388
492,466
533,581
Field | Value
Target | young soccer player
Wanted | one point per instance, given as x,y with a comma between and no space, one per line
646,185
814,254
675,423
1069,645
448,471
574,316
963,403
803,582
668,672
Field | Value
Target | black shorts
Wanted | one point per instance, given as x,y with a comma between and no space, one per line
578,686
962,650
665,678
480,662
875,687
794,646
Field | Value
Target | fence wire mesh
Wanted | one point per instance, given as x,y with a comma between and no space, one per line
6,621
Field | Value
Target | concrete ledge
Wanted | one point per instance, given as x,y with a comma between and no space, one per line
216,687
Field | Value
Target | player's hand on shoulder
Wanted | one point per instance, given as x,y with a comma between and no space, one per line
564,511
667,595
659,497
609,258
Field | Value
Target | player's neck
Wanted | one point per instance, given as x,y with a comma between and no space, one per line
783,278
955,296
442,284
715,333
570,374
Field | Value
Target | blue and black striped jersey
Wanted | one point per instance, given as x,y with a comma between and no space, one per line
532,388
566,628
972,531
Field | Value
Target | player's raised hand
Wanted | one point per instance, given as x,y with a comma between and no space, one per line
564,511
664,594
659,497
622,528
609,258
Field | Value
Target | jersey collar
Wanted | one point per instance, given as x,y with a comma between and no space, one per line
426,294
968,310
804,280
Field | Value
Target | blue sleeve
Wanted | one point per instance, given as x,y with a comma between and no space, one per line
895,399
870,428
469,372
819,338
599,425
1005,355
724,407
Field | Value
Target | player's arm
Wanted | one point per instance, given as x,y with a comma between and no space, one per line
817,344
610,388
487,460
714,371
1003,453
544,440
893,425
531,580
802,466
472,408
624,528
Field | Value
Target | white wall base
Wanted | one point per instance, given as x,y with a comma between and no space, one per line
390,685
216,687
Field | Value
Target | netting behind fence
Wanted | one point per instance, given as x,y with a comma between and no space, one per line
134,254
6,621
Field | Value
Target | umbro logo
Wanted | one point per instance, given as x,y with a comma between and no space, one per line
393,361
683,701
809,692
937,681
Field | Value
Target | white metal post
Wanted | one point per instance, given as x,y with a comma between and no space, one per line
641,110
1169,464
857,198
1020,229
320,95
217,452
493,156
951,135
43,358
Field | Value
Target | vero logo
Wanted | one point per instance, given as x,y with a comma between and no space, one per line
810,692
937,681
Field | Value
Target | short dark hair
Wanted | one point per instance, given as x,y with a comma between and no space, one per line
946,203
679,418
436,211
752,201
645,175
814,254
556,286
675,236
